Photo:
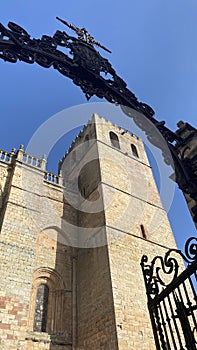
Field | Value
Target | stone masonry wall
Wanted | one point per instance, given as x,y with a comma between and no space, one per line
30,255
84,240
130,199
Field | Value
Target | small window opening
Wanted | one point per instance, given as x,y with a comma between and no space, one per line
114,140
134,151
143,231
40,318
87,139
73,156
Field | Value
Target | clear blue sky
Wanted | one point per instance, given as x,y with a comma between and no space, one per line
154,49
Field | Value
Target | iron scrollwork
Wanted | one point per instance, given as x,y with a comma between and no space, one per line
155,273
160,267
84,65
172,302
95,75
190,250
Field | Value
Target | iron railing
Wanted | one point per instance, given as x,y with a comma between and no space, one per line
172,299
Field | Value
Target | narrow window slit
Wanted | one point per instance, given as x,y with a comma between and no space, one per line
143,232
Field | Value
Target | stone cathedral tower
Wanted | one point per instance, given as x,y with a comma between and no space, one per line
71,244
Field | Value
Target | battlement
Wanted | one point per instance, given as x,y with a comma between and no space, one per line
100,129
97,128
118,129
96,119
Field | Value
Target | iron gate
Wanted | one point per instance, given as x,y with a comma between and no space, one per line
172,298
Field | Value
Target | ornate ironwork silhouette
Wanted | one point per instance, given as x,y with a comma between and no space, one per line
95,76
172,298
83,35
84,65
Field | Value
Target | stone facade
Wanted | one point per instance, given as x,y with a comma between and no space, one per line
80,236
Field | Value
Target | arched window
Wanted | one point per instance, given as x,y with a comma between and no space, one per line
48,300
114,140
40,316
134,151
143,232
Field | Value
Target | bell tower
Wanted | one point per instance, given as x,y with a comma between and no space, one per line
72,244
119,218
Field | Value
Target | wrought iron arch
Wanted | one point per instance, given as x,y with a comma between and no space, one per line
90,71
